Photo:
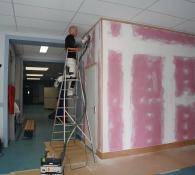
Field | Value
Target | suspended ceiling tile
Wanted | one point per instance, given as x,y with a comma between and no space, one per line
7,20
180,8
56,4
105,9
6,9
8,1
55,51
43,31
28,22
134,3
188,27
157,19
30,49
86,19
42,13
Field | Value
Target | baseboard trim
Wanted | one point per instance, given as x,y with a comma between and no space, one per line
136,151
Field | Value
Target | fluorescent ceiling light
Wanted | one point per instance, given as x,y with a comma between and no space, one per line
37,68
33,78
43,49
34,75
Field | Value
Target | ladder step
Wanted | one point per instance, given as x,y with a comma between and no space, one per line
73,79
67,125
57,132
58,139
74,124
59,116
60,107
60,132
58,124
69,98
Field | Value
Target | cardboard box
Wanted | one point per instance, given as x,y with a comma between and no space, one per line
50,103
54,149
51,92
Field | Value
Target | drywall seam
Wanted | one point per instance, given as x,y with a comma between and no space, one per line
169,99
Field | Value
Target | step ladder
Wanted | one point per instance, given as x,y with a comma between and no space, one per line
68,125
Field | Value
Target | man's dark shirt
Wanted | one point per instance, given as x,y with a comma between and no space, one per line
70,43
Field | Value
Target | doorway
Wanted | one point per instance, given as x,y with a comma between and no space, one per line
29,95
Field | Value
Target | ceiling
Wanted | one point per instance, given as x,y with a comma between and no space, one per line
31,53
54,16
54,71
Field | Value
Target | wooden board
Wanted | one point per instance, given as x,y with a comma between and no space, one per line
29,128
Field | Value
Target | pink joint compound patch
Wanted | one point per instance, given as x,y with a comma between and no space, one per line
147,98
115,28
115,100
165,36
185,126
184,75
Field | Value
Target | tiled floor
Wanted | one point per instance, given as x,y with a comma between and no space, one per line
26,154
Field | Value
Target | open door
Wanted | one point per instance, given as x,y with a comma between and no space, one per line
91,93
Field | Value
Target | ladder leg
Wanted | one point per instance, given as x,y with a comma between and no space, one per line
66,104
91,141
86,116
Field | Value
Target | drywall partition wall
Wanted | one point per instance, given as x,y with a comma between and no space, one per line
92,66
185,91
148,86
93,52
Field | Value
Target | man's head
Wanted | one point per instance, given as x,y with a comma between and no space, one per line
73,30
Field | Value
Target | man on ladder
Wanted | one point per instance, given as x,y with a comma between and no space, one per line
50,163
73,44
71,58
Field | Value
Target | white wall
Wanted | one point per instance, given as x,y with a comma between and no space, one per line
19,83
12,66
11,81
2,103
